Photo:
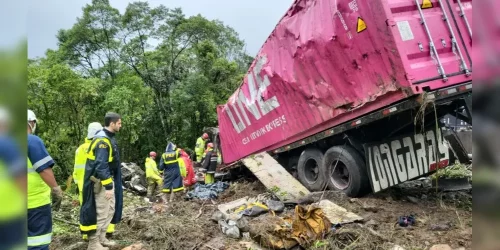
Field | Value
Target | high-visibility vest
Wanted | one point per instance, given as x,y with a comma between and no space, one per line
101,136
200,147
10,193
171,157
151,169
182,167
38,190
79,168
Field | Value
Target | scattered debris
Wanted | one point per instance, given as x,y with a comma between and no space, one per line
405,221
134,178
337,214
136,246
181,225
275,177
305,226
230,229
230,206
441,247
207,191
412,199
252,209
452,184
276,206
397,247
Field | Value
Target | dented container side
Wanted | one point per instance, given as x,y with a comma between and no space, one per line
326,62
434,39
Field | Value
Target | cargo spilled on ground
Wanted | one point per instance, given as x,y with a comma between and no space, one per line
440,218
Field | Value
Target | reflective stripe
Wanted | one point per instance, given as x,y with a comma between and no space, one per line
41,162
107,181
80,166
111,228
88,228
31,170
170,162
40,240
90,153
174,190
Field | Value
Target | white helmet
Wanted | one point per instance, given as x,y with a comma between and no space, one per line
31,116
93,129
4,115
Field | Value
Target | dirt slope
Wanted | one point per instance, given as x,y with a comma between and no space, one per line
442,218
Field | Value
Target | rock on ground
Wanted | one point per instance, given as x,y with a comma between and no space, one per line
441,247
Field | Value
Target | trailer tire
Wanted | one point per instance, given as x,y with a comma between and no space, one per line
349,163
309,169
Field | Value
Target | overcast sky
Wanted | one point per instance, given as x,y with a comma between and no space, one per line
253,20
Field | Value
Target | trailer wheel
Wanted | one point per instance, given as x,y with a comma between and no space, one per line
309,169
345,170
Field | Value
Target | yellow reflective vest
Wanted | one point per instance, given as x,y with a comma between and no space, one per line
199,149
79,168
152,170
182,167
38,190
10,193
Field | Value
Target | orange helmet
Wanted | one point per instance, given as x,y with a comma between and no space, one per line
152,154
204,136
210,145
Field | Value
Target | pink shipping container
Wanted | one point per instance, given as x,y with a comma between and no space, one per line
330,61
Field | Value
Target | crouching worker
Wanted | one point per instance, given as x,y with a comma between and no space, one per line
152,176
102,197
172,179
210,164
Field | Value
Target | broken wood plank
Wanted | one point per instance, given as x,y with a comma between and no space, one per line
275,177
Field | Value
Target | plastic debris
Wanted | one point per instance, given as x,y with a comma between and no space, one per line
276,206
207,191
405,221
230,230
252,209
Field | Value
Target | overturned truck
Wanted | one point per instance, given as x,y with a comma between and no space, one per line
349,94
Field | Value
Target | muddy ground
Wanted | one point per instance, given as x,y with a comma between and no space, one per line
441,218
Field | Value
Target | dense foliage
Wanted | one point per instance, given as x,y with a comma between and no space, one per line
162,71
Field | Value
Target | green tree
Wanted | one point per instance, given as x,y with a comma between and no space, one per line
165,73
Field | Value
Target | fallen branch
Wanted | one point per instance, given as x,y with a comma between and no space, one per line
67,222
200,212
196,245
211,247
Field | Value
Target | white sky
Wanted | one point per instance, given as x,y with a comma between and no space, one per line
253,20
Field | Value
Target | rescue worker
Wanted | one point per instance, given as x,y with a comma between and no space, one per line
12,188
152,175
172,179
81,157
102,185
190,178
210,164
41,186
200,147
79,168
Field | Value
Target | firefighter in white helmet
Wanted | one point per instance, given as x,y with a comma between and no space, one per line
41,186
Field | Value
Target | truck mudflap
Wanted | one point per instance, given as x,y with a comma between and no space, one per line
404,158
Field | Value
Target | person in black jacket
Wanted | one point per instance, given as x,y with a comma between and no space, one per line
102,198
210,164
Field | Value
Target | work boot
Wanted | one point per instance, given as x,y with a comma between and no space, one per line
94,243
105,241
164,197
